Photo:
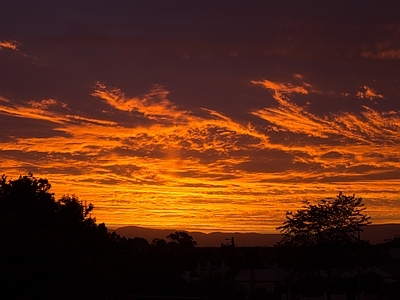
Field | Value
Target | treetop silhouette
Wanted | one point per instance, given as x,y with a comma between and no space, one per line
323,240
336,220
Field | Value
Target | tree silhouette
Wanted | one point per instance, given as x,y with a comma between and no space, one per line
72,209
159,243
182,250
183,239
323,239
50,248
55,250
28,200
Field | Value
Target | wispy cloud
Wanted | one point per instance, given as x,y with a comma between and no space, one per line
9,44
182,159
338,144
289,116
153,105
46,103
364,127
385,42
369,93
282,90
382,54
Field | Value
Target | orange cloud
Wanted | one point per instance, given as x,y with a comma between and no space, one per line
153,104
366,136
289,116
281,90
4,100
183,168
369,93
13,45
44,104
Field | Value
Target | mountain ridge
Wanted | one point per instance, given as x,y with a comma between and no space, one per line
376,234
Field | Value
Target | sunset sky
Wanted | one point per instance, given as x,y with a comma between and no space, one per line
203,115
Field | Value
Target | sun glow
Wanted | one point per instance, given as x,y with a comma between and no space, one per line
168,167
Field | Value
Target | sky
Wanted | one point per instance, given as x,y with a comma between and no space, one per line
203,115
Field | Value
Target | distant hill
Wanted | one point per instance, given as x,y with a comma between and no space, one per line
374,233
379,233
213,239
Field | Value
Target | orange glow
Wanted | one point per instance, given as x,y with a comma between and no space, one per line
208,172
13,45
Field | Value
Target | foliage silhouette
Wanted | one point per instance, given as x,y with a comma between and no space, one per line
323,240
56,250
51,249
28,200
183,239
